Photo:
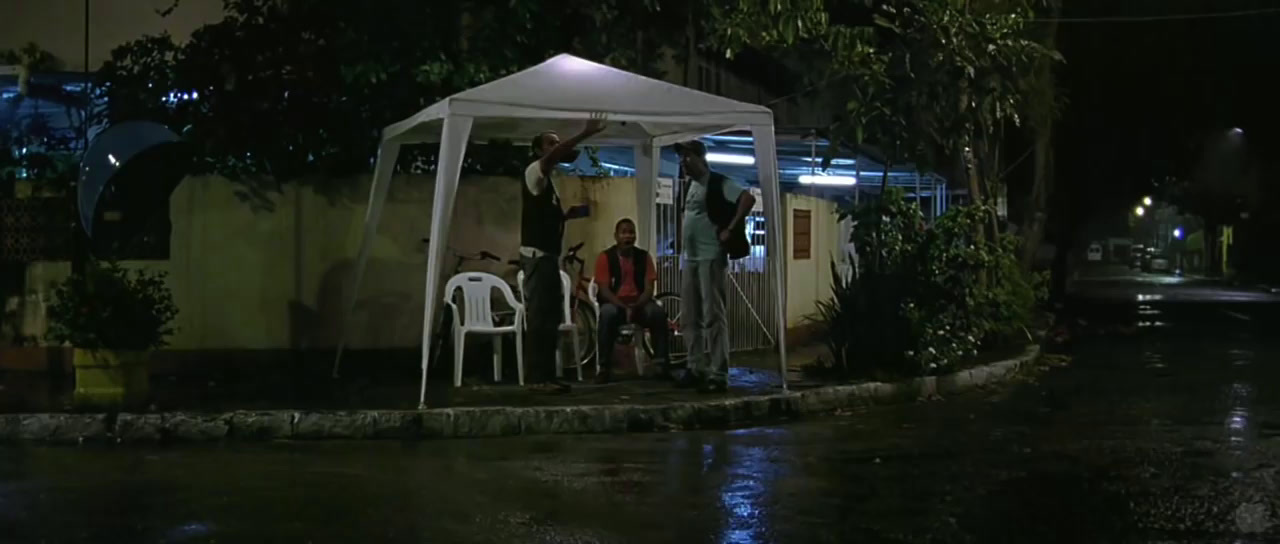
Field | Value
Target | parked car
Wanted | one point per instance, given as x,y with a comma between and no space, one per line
1159,264
1136,255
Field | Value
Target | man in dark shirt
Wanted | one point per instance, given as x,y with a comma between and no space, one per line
713,227
541,240
627,279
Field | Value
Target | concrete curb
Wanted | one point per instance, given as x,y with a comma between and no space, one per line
491,421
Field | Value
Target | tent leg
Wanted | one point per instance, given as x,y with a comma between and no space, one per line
767,169
647,163
386,165
453,146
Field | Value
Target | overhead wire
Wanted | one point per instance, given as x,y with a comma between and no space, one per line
1157,18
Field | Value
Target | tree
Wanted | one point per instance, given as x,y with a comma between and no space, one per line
922,79
33,144
284,91
1043,111
930,82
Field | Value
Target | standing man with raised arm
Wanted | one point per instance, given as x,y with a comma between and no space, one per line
541,240
713,231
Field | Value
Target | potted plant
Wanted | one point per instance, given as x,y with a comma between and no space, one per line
113,319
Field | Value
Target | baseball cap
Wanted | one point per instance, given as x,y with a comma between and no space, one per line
695,147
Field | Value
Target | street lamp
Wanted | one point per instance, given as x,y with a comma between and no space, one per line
1146,201
1177,233
1139,211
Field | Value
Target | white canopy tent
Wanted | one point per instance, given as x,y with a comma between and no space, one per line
561,94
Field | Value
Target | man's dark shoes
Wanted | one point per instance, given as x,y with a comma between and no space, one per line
561,387
554,386
604,377
713,386
688,380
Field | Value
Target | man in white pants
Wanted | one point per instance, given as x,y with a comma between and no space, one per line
714,230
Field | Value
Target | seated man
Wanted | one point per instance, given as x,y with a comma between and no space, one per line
628,279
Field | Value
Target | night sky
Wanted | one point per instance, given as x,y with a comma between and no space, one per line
1142,95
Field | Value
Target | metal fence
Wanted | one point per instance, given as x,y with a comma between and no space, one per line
751,313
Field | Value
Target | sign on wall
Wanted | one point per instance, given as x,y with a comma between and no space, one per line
666,193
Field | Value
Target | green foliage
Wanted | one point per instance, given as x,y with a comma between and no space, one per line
285,91
927,297
32,147
923,80
108,307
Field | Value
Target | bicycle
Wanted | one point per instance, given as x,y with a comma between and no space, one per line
670,304
584,318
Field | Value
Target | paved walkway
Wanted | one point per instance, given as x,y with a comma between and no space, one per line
392,387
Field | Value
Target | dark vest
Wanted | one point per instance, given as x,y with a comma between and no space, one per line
541,219
639,266
721,211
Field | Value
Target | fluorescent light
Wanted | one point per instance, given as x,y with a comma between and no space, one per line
616,166
836,162
828,180
729,138
730,158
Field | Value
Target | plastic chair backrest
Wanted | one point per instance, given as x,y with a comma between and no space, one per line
566,286
477,297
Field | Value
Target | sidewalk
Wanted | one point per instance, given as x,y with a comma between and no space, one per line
395,386
636,406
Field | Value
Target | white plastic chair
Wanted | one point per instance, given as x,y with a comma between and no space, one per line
566,325
593,292
477,317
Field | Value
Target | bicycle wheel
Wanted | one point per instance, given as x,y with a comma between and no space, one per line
584,326
670,303
442,338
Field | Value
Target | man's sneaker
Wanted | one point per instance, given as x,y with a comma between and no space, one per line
553,387
604,377
688,380
713,386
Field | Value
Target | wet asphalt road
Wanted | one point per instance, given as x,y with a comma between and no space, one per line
1165,427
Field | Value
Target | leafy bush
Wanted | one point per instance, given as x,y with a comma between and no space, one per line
926,297
108,307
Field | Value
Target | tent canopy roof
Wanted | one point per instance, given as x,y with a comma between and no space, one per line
564,91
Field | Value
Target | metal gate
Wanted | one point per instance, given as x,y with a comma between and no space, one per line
751,308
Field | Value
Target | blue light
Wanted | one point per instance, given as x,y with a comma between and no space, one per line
1177,233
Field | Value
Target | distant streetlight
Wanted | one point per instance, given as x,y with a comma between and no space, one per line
1177,233
1237,131
1139,211
1146,201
